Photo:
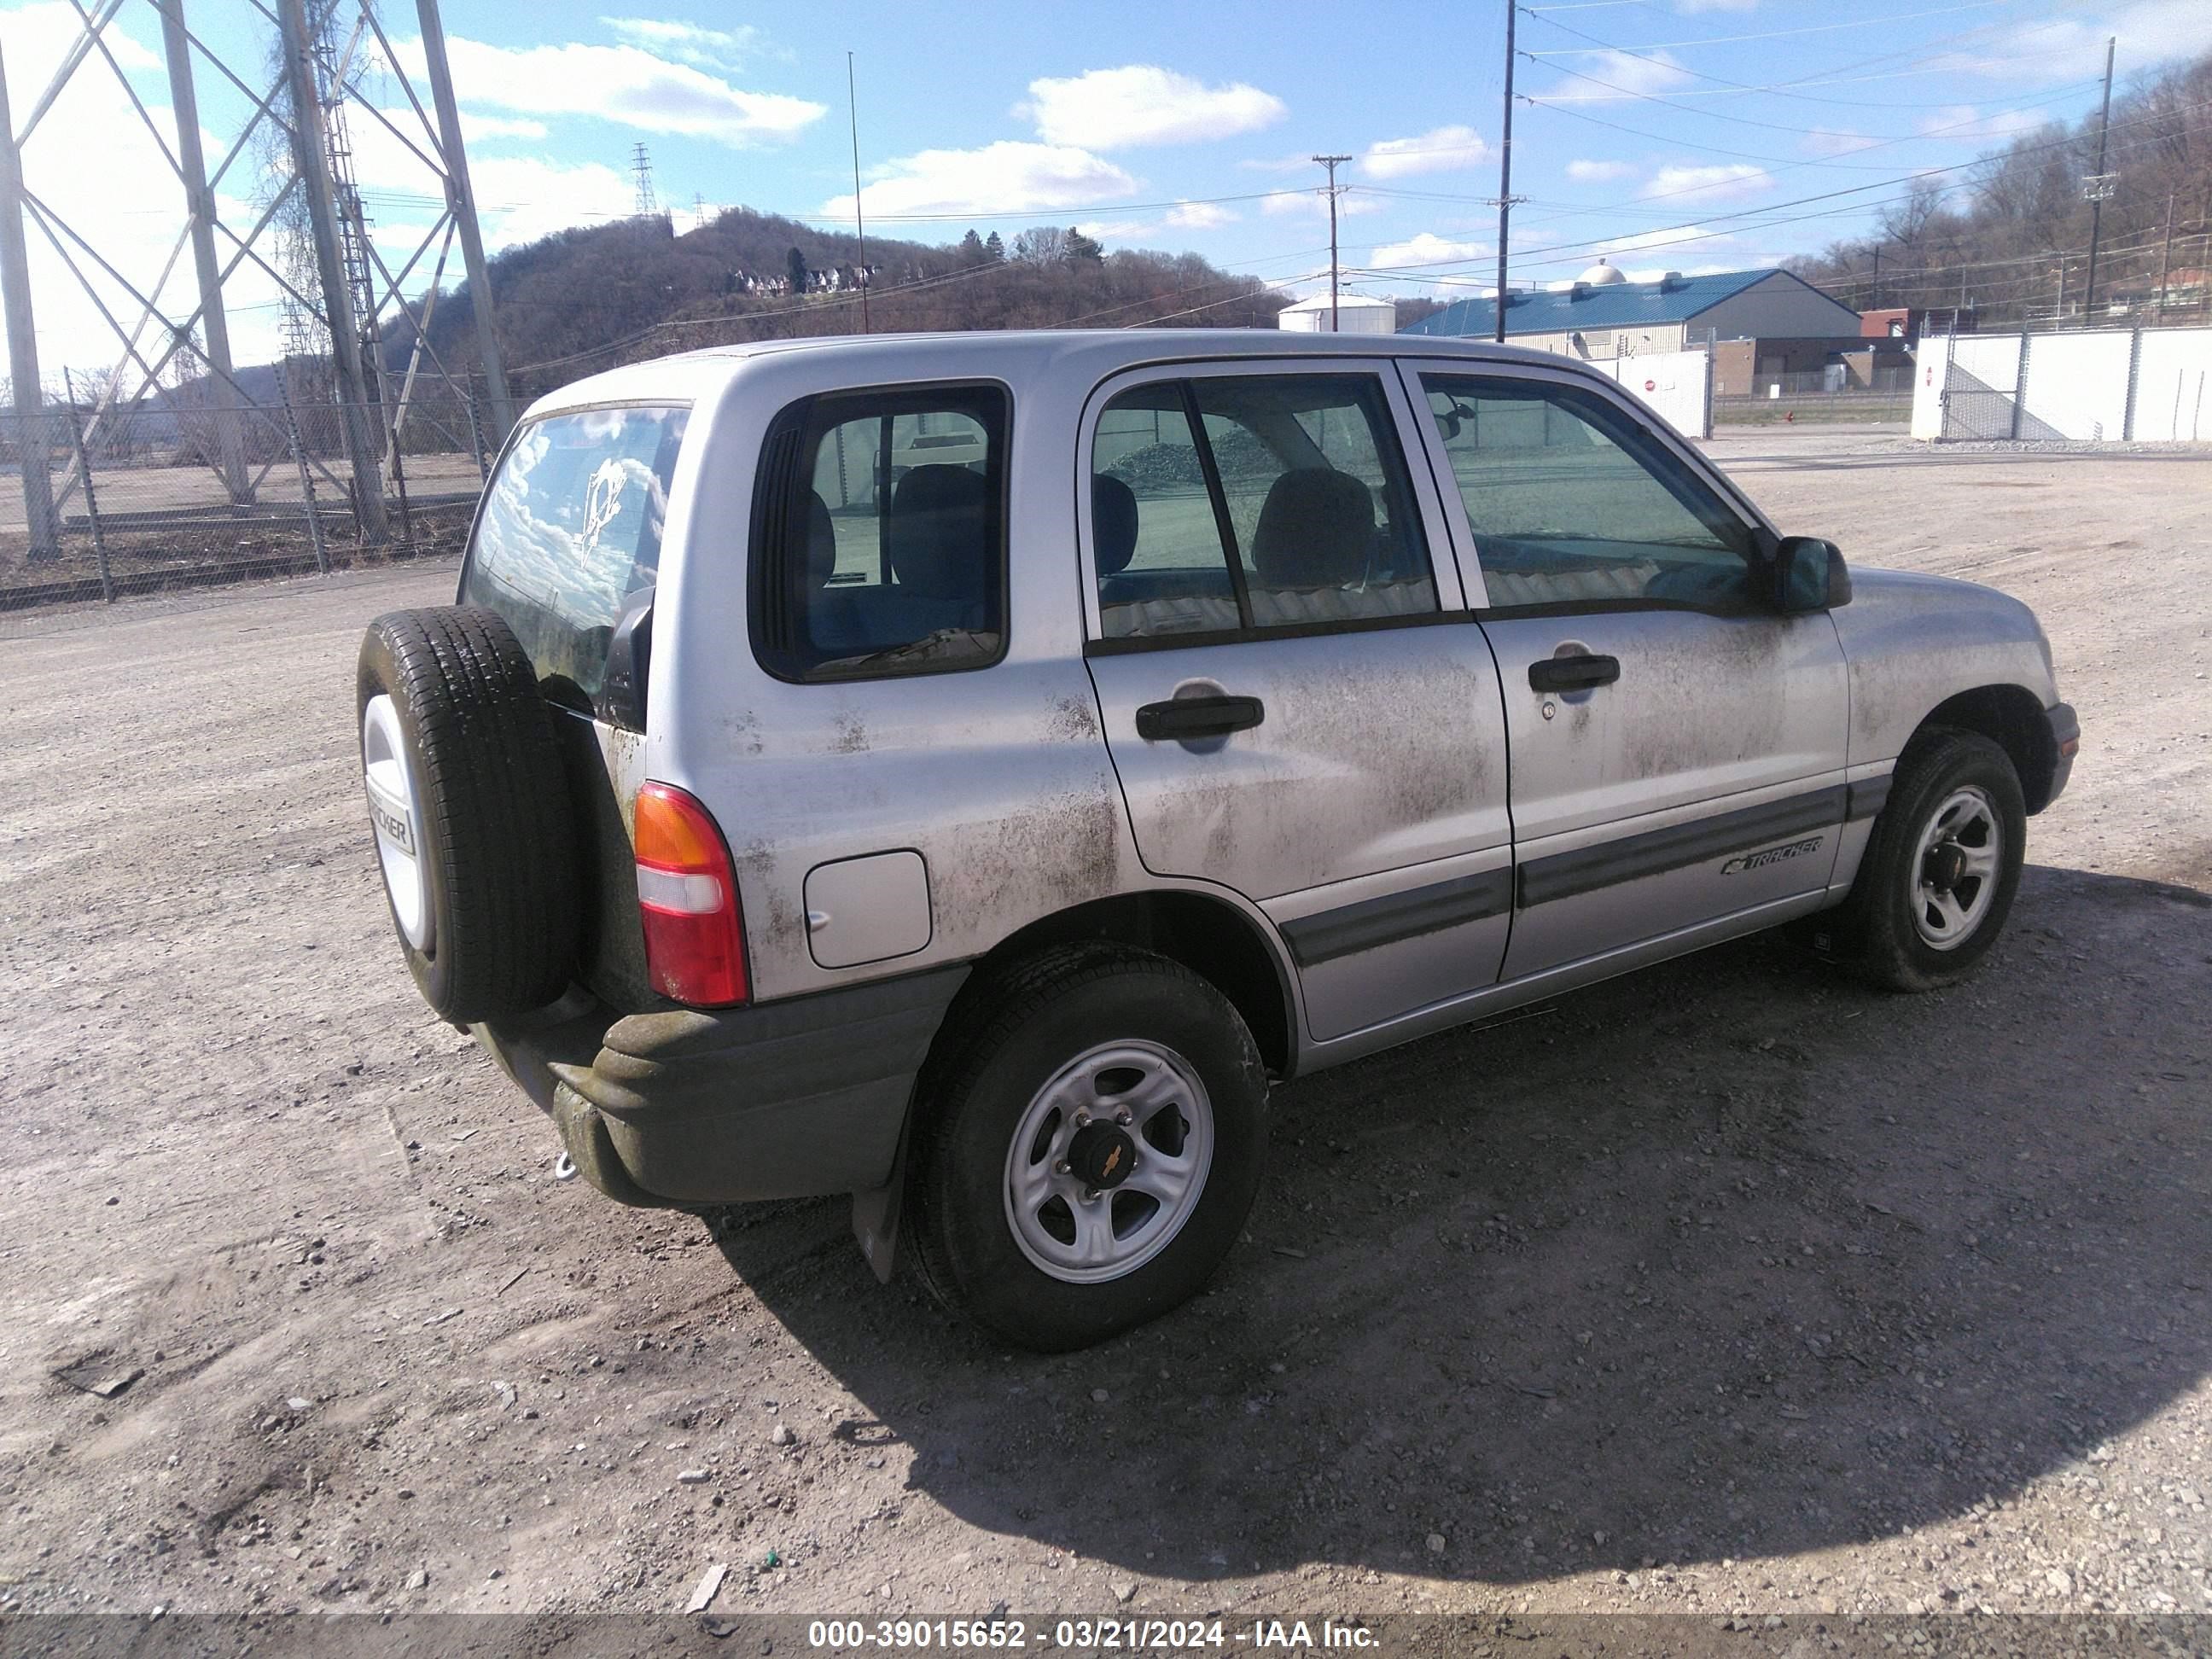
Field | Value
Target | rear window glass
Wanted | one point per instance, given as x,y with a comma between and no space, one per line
879,534
571,530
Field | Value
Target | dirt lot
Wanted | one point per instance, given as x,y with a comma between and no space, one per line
1726,1288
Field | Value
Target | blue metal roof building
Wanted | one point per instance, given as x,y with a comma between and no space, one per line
1602,314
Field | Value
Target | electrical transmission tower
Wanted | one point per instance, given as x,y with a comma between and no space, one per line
341,297
641,165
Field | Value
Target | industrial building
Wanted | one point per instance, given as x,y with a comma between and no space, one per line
1602,314
1355,313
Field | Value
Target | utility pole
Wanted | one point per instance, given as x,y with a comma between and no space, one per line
2059,317
310,159
200,218
2165,262
461,203
1332,162
1876,305
31,437
2100,187
641,166
1505,170
860,222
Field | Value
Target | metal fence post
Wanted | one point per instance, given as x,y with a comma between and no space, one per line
2134,379
91,506
2019,381
399,489
476,438
306,489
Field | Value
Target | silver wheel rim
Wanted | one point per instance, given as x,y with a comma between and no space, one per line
1955,869
396,815
1085,1235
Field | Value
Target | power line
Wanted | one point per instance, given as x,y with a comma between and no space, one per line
1769,34
1700,224
1875,141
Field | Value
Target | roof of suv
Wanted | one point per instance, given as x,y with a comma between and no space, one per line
1012,354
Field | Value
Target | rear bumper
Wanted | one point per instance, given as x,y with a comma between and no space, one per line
2065,738
792,1099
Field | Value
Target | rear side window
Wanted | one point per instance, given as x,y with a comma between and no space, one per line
879,534
1251,502
570,529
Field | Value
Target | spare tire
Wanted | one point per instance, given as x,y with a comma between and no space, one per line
471,812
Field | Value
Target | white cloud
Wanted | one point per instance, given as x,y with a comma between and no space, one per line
622,84
1727,182
1143,104
1007,177
1965,124
520,199
1598,172
1613,76
1314,203
1429,249
1440,150
1184,216
477,126
1823,142
2149,32
687,43
1199,215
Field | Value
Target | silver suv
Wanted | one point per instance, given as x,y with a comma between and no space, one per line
964,771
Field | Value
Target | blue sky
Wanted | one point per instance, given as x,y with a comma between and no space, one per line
1666,134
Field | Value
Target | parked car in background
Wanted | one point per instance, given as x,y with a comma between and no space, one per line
1191,711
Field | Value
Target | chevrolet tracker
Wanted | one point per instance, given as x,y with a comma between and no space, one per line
965,771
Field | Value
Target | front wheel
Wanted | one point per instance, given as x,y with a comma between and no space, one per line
1941,866
1090,1147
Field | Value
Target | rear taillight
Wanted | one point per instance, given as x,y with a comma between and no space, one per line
687,899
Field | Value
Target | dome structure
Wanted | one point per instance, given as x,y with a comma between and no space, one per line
1602,274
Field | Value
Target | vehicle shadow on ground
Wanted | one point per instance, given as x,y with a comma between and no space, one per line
1726,1258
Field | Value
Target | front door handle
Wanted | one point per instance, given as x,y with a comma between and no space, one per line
1181,719
1576,673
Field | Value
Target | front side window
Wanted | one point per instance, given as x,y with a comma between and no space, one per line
1252,502
878,544
1570,501
571,529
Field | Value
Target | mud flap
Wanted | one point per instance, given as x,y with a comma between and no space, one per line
876,1212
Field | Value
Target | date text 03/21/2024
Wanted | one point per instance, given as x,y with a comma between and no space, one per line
1103,1634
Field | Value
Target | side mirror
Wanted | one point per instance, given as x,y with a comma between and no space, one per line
629,660
1809,575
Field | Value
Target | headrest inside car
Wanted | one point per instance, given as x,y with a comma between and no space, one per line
1113,523
940,533
1317,529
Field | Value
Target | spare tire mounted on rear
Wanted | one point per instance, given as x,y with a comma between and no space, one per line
469,809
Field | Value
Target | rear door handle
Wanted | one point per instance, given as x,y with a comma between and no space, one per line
1180,719
1576,673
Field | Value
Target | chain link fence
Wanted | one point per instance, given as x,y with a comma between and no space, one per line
100,503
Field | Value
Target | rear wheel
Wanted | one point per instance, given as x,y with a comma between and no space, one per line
1941,866
1089,1149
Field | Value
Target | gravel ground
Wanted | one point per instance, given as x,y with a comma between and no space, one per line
1727,1289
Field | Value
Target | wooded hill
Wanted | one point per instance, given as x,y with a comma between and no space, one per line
2001,237
589,298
